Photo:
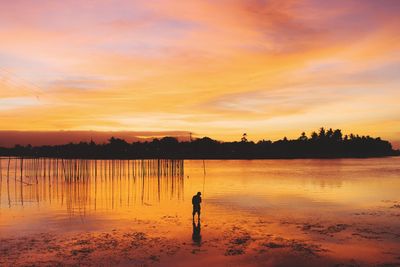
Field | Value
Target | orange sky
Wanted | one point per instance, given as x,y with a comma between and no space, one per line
216,68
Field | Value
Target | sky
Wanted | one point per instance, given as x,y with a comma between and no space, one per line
215,68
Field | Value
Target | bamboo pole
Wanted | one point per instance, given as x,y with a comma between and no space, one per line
1,179
8,182
21,189
8,169
15,178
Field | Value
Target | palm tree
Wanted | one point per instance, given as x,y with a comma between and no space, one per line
244,138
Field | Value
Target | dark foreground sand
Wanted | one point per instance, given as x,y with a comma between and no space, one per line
366,239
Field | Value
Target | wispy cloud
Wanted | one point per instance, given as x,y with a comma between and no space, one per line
270,68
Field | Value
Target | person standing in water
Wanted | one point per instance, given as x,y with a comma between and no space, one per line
196,200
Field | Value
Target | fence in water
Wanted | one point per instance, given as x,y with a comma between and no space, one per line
82,183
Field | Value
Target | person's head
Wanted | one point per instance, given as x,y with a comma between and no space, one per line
199,193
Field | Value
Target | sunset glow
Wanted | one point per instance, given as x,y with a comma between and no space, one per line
214,68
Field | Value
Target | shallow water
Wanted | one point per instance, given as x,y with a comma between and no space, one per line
254,212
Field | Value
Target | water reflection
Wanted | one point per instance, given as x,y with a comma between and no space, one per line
196,235
81,185
272,211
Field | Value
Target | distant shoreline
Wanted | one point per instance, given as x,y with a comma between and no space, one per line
162,158
326,144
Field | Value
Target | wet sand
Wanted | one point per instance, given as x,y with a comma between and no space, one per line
365,238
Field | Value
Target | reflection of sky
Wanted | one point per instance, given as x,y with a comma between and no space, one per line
256,187
269,68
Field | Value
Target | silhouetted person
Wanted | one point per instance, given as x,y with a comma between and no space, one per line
196,236
196,200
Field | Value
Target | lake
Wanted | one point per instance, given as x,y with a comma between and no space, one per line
333,212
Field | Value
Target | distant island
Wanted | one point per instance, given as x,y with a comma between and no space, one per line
324,144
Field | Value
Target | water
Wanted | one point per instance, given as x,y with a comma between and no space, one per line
254,212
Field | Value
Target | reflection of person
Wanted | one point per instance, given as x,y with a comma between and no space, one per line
196,236
196,200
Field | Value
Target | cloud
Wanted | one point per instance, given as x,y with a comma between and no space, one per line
11,103
213,67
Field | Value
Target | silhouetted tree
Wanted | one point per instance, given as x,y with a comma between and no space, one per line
325,144
303,137
337,135
244,137
314,136
321,133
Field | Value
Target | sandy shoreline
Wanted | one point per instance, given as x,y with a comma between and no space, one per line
246,242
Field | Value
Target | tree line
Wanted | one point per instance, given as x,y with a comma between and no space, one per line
322,144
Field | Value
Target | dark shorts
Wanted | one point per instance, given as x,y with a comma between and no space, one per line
196,210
